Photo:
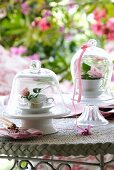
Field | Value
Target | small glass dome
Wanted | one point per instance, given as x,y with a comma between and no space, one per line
36,98
35,90
91,70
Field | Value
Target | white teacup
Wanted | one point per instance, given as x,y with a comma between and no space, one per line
40,101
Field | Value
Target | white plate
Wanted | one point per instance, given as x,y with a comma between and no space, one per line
36,110
56,112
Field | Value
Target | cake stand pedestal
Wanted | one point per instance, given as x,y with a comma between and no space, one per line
41,121
91,114
45,124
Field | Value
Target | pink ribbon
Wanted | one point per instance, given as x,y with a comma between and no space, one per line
84,47
78,69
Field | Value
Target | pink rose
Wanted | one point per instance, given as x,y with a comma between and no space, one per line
99,58
95,73
25,92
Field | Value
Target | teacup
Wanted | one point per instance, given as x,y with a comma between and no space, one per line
40,101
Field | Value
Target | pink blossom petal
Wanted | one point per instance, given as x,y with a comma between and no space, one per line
47,13
34,57
84,131
44,24
99,14
25,8
110,24
98,28
18,50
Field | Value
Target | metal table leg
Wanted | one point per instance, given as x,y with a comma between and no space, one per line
101,162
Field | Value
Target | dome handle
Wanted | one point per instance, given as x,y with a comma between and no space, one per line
35,66
92,42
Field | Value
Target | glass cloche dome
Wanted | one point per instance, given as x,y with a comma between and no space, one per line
91,69
36,98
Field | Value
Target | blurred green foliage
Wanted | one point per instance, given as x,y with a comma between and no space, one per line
68,26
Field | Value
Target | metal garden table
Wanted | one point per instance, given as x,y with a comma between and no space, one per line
63,143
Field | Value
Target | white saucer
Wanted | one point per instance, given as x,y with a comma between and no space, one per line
44,109
54,113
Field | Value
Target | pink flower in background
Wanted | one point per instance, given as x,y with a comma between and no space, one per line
9,67
112,79
98,28
110,24
34,57
99,14
69,36
33,24
44,24
71,6
110,36
103,28
18,50
47,13
109,47
62,29
25,8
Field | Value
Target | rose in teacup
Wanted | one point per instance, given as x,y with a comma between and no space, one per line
29,95
34,98
91,72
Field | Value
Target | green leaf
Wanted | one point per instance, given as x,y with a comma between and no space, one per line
36,90
85,67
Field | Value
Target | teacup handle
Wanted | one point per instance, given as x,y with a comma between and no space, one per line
49,100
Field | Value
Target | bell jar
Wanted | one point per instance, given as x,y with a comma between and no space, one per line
91,69
36,98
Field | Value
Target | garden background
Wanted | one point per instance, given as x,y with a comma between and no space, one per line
51,31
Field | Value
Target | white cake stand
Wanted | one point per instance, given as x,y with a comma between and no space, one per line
39,120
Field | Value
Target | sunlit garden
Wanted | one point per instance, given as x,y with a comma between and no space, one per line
52,31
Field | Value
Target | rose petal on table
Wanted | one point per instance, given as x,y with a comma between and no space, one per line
21,134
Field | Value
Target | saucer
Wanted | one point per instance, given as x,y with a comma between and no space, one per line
43,109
